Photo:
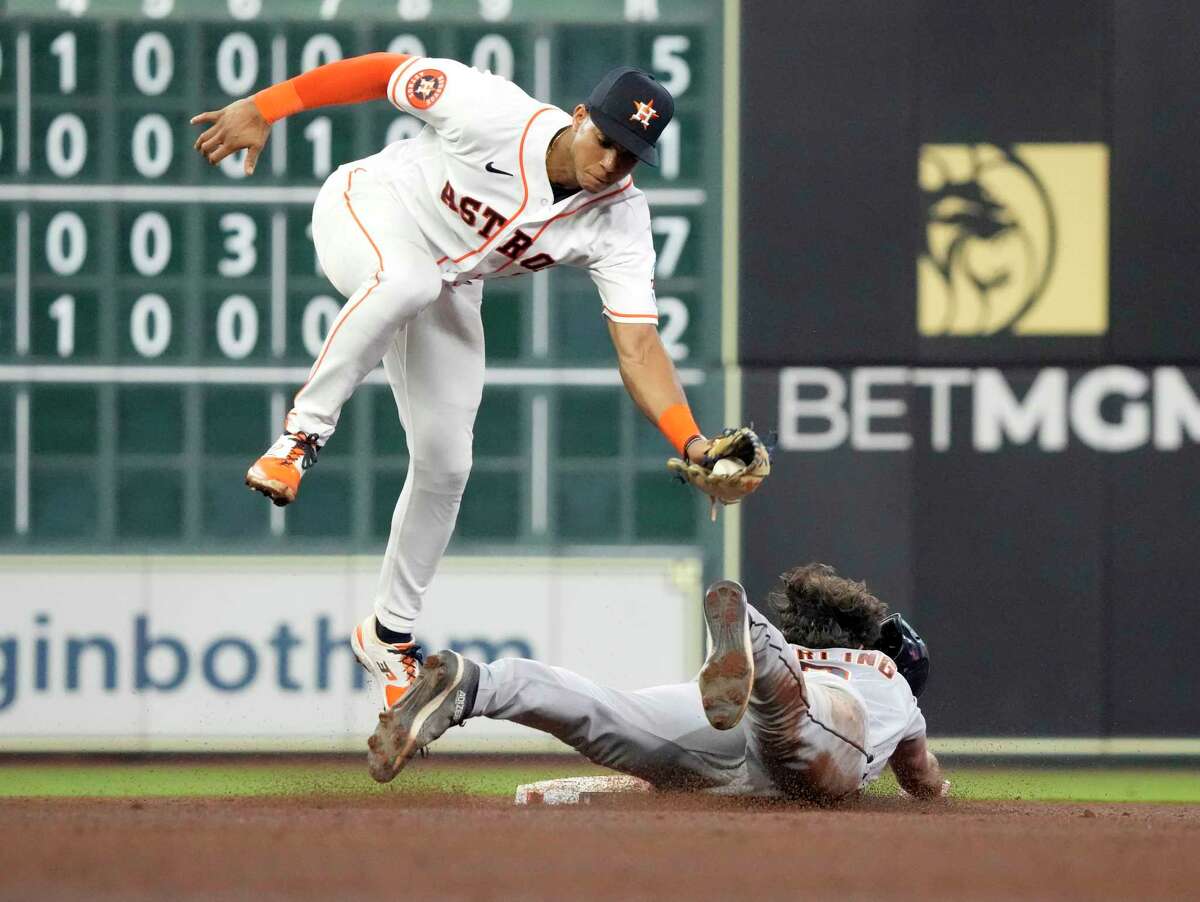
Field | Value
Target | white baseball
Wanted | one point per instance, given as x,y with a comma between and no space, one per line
726,467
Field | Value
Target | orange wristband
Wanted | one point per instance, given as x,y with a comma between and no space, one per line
278,101
678,425
350,80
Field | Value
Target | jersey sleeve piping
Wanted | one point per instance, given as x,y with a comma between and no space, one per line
397,75
639,317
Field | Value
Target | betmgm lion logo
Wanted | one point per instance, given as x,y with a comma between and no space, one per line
1016,240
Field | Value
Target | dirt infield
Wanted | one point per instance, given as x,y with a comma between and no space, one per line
435,846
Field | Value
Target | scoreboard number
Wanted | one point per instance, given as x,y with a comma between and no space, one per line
157,9
153,63
62,311
676,230
66,243
666,55
675,316
237,63
150,243
153,145
414,10
150,325
66,145
319,133
318,318
494,54
237,326
319,50
63,47
242,233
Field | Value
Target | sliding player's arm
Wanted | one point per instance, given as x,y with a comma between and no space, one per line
917,770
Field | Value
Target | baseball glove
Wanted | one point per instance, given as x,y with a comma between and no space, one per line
734,465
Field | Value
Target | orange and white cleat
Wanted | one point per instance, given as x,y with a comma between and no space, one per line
392,668
277,473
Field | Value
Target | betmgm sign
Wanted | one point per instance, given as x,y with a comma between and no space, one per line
1015,240
1106,409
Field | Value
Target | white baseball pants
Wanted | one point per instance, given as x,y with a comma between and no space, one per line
800,737
429,336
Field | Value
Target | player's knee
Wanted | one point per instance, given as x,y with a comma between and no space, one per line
442,463
410,290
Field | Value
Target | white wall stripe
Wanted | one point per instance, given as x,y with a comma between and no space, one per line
541,69
278,284
242,194
541,314
278,521
295,375
21,478
539,466
21,286
279,129
24,104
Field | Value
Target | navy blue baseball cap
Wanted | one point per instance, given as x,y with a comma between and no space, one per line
632,109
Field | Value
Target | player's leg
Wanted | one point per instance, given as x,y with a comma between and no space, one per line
658,734
809,735
435,367
374,254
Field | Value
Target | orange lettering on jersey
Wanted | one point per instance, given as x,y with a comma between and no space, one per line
865,657
829,668
886,666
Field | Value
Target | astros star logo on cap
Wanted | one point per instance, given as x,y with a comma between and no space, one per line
645,112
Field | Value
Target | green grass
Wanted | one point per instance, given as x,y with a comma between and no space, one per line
166,779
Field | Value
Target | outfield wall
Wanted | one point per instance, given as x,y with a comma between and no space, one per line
215,654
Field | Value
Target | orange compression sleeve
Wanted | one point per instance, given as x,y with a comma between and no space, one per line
346,81
678,425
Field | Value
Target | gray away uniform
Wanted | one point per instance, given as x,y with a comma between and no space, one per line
821,723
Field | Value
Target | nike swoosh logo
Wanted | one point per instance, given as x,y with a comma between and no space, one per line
490,168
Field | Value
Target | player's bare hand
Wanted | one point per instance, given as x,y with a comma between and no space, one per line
239,126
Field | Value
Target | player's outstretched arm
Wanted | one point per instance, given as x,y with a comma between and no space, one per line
246,124
650,378
917,770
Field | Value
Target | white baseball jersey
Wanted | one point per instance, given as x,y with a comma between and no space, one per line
892,712
475,180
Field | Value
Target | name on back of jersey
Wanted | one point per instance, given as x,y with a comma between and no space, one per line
816,658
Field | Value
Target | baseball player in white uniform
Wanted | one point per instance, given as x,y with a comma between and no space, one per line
497,185
816,710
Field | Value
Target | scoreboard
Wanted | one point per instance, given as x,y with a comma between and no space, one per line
157,314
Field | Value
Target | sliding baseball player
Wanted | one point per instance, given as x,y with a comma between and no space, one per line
497,185
816,710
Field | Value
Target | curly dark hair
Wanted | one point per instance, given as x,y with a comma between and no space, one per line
819,609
